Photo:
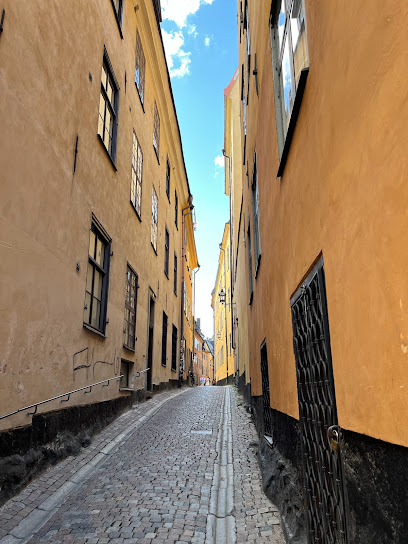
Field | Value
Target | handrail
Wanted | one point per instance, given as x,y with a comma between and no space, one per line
37,404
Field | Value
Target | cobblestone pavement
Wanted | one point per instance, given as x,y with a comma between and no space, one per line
150,477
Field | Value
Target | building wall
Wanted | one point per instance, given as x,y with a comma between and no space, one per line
234,189
341,196
224,356
50,87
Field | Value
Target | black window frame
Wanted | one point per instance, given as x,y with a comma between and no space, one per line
166,251
134,177
128,307
251,282
140,65
255,216
176,208
99,233
126,368
112,106
175,274
119,14
168,178
164,340
174,347
156,132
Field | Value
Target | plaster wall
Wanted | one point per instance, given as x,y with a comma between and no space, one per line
51,58
343,194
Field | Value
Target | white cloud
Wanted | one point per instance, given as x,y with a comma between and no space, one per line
192,30
207,41
219,161
179,10
178,59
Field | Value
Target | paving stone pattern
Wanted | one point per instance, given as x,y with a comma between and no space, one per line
155,486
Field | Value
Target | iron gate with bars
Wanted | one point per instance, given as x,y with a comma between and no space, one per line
266,401
320,434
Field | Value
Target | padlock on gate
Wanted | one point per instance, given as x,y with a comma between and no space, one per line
334,434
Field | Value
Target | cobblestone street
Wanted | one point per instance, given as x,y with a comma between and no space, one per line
179,468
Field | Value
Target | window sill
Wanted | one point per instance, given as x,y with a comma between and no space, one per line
268,439
251,298
133,350
164,366
107,152
125,389
166,274
174,369
153,248
134,209
140,98
293,120
96,331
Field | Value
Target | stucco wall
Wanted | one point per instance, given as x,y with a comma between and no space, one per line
51,58
343,194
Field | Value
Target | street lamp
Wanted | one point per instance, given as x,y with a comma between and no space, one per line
222,296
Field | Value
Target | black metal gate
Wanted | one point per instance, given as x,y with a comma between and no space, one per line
266,401
320,434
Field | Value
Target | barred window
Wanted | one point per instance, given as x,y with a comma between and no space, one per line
96,295
174,349
168,179
137,175
166,252
140,68
255,216
129,326
156,131
164,340
153,238
108,108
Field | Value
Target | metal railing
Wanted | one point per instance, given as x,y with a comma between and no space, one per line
68,395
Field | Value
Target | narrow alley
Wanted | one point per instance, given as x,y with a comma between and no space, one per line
181,467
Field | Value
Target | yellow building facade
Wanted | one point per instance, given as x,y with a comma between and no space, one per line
97,235
221,304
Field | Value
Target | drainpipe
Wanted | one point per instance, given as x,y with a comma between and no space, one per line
231,247
183,215
225,309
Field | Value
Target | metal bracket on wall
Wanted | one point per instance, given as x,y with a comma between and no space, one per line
2,21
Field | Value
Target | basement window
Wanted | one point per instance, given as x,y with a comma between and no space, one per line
126,368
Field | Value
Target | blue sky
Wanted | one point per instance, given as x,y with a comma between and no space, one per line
200,38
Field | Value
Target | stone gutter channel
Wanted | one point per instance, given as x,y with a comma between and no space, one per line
221,521
24,531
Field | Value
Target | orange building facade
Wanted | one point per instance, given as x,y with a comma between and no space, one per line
323,207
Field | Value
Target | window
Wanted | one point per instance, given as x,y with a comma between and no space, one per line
96,295
251,287
164,340
176,209
136,177
153,238
255,216
168,179
156,131
108,108
248,48
140,68
118,9
243,101
129,325
174,349
125,372
175,275
291,64
166,252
